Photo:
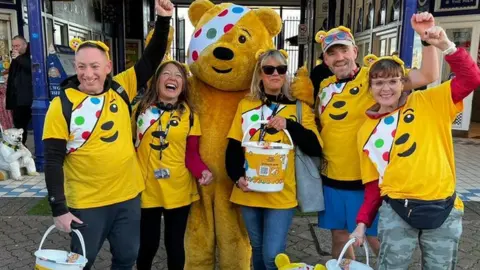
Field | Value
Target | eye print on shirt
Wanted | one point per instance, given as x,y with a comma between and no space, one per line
273,131
174,122
341,106
406,138
109,125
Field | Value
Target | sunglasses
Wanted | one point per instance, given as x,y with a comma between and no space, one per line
269,70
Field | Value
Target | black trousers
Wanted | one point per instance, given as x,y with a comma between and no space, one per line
118,223
21,117
175,221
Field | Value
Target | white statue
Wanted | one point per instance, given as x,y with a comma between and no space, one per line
14,155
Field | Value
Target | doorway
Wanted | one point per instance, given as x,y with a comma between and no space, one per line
464,31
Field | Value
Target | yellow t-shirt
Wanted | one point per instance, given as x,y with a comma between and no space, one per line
180,188
250,111
341,109
410,150
103,169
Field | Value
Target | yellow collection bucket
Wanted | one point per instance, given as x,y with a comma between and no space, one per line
51,259
265,162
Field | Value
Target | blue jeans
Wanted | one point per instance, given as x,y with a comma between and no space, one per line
119,224
267,230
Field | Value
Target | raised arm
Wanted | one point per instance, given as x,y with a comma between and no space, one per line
430,69
156,48
467,74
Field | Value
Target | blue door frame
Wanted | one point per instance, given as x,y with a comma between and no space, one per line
40,93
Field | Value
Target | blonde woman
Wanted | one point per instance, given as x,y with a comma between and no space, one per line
268,216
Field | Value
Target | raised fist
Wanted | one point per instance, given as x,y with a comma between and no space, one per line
164,8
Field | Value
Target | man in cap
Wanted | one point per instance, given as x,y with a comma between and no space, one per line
342,102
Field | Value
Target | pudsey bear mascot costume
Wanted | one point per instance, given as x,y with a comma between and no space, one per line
221,57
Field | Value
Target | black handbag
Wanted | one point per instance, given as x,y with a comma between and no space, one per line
422,215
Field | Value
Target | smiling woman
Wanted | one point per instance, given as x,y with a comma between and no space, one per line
166,136
404,128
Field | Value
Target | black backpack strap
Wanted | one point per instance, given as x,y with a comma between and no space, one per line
299,111
123,94
67,106
191,119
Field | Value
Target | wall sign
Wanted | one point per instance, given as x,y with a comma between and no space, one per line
458,3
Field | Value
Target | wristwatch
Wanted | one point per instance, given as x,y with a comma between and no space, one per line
451,49
424,43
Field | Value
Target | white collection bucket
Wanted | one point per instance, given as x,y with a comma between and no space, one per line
51,259
265,162
342,263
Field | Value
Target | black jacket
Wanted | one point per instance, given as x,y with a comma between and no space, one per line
19,84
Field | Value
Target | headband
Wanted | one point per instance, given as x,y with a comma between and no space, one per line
371,59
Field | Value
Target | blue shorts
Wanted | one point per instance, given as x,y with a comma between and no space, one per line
341,208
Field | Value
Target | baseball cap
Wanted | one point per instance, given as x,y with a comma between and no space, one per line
337,36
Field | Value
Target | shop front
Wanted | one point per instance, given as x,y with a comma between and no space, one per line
461,21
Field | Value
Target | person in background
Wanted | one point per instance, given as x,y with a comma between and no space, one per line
268,216
318,74
19,85
407,160
91,169
167,136
342,102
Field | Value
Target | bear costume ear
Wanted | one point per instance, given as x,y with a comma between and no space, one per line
369,60
270,19
197,9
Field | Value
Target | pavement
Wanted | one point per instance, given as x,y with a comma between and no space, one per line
20,234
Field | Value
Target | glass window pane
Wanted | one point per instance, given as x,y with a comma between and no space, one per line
48,31
4,40
393,45
462,37
383,47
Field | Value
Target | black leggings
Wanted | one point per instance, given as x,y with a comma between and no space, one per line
175,221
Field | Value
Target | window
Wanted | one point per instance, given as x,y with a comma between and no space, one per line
393,45
60,34
78,33
48,30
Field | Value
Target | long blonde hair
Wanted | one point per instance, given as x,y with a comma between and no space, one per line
256,88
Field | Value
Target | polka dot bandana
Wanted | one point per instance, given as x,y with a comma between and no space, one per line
84,119
380,144
145,121
327,94
213,30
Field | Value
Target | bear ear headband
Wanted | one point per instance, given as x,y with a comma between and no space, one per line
371,59
94,42
263,51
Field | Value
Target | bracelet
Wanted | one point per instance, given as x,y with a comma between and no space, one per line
451,49
426,44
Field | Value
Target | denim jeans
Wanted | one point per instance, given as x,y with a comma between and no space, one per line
267,230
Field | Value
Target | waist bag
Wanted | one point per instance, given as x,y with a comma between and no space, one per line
423,215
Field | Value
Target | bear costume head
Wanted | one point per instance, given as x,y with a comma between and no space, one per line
225,41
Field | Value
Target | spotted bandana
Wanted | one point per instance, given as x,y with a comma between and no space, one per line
214,29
